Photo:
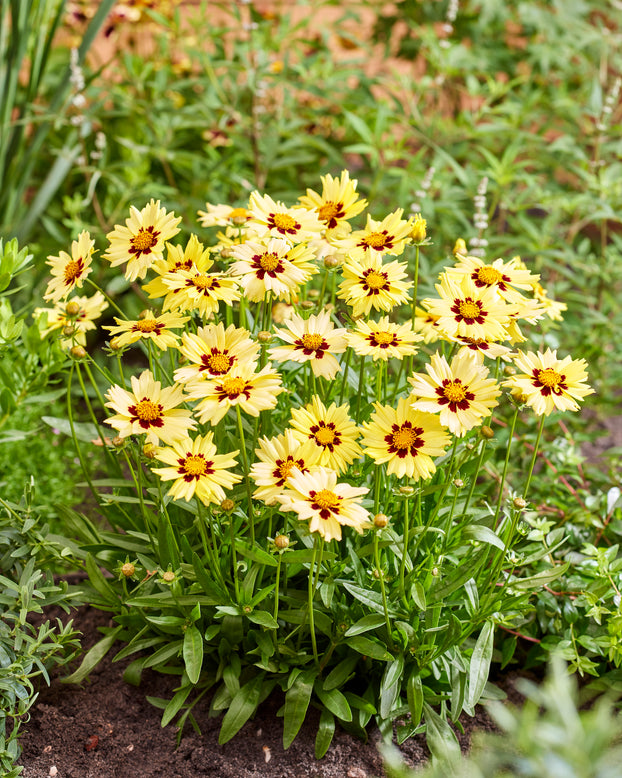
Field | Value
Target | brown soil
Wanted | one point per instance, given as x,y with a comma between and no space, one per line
107,729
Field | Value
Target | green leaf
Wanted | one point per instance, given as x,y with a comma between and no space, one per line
479,667
340,674
84,431
335,701
175,705
100,584
297,700
193,653
539,579
264,619
93,657
370,648
371,621
483,534
242,707
325,732
255,553
414,695
390,687
370,598
440,737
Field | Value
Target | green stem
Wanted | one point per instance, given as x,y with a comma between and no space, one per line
505,466
383,590
310,595
344,379
534,456
405,542
249,493
107,297
234,558
360,390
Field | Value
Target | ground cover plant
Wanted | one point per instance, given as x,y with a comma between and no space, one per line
296,503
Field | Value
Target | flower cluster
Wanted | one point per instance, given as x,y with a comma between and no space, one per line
231,373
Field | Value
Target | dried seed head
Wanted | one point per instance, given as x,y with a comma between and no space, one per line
168,576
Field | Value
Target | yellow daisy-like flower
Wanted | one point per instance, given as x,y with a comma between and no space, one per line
141,242
79,313
277,458
177,258
214,351
149,408
466,311
388,236
548,383
331,430
69,271
296,225
223,216
198,290
148,327
461,392
552,308
506,277
405,438
197,469
369,284
253,392
313,340
338,202
273,267
318,498
383,339
484,348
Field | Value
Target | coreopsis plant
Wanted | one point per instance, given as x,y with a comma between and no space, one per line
303,516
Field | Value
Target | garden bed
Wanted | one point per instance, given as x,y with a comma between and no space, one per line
107,728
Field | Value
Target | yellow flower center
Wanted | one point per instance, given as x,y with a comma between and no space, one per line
383,337
454,391
218,363
203,282
283,221
326,499
195,464
404,438
325,436
375,239
144,240
238,213
549,377
233,386
489,275
329,210
469,309
285,468
375,280
146,410
269,262
72,271
146,325
312,342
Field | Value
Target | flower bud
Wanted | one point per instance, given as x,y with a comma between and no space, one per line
281,542
435,571
509,370
168,576
238,220
407,491
128,569
149,450
114,344
144,314
72,308
487,432
118,441
519,503
331,262
381,520
226,253
263,336
460,248
307,305
313,293
77,352
68,330
418,232
458,483
227,505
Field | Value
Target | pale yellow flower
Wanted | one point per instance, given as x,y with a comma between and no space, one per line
149,327
313,340
69,271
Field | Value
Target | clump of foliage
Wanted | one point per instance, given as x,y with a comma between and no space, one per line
552,733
